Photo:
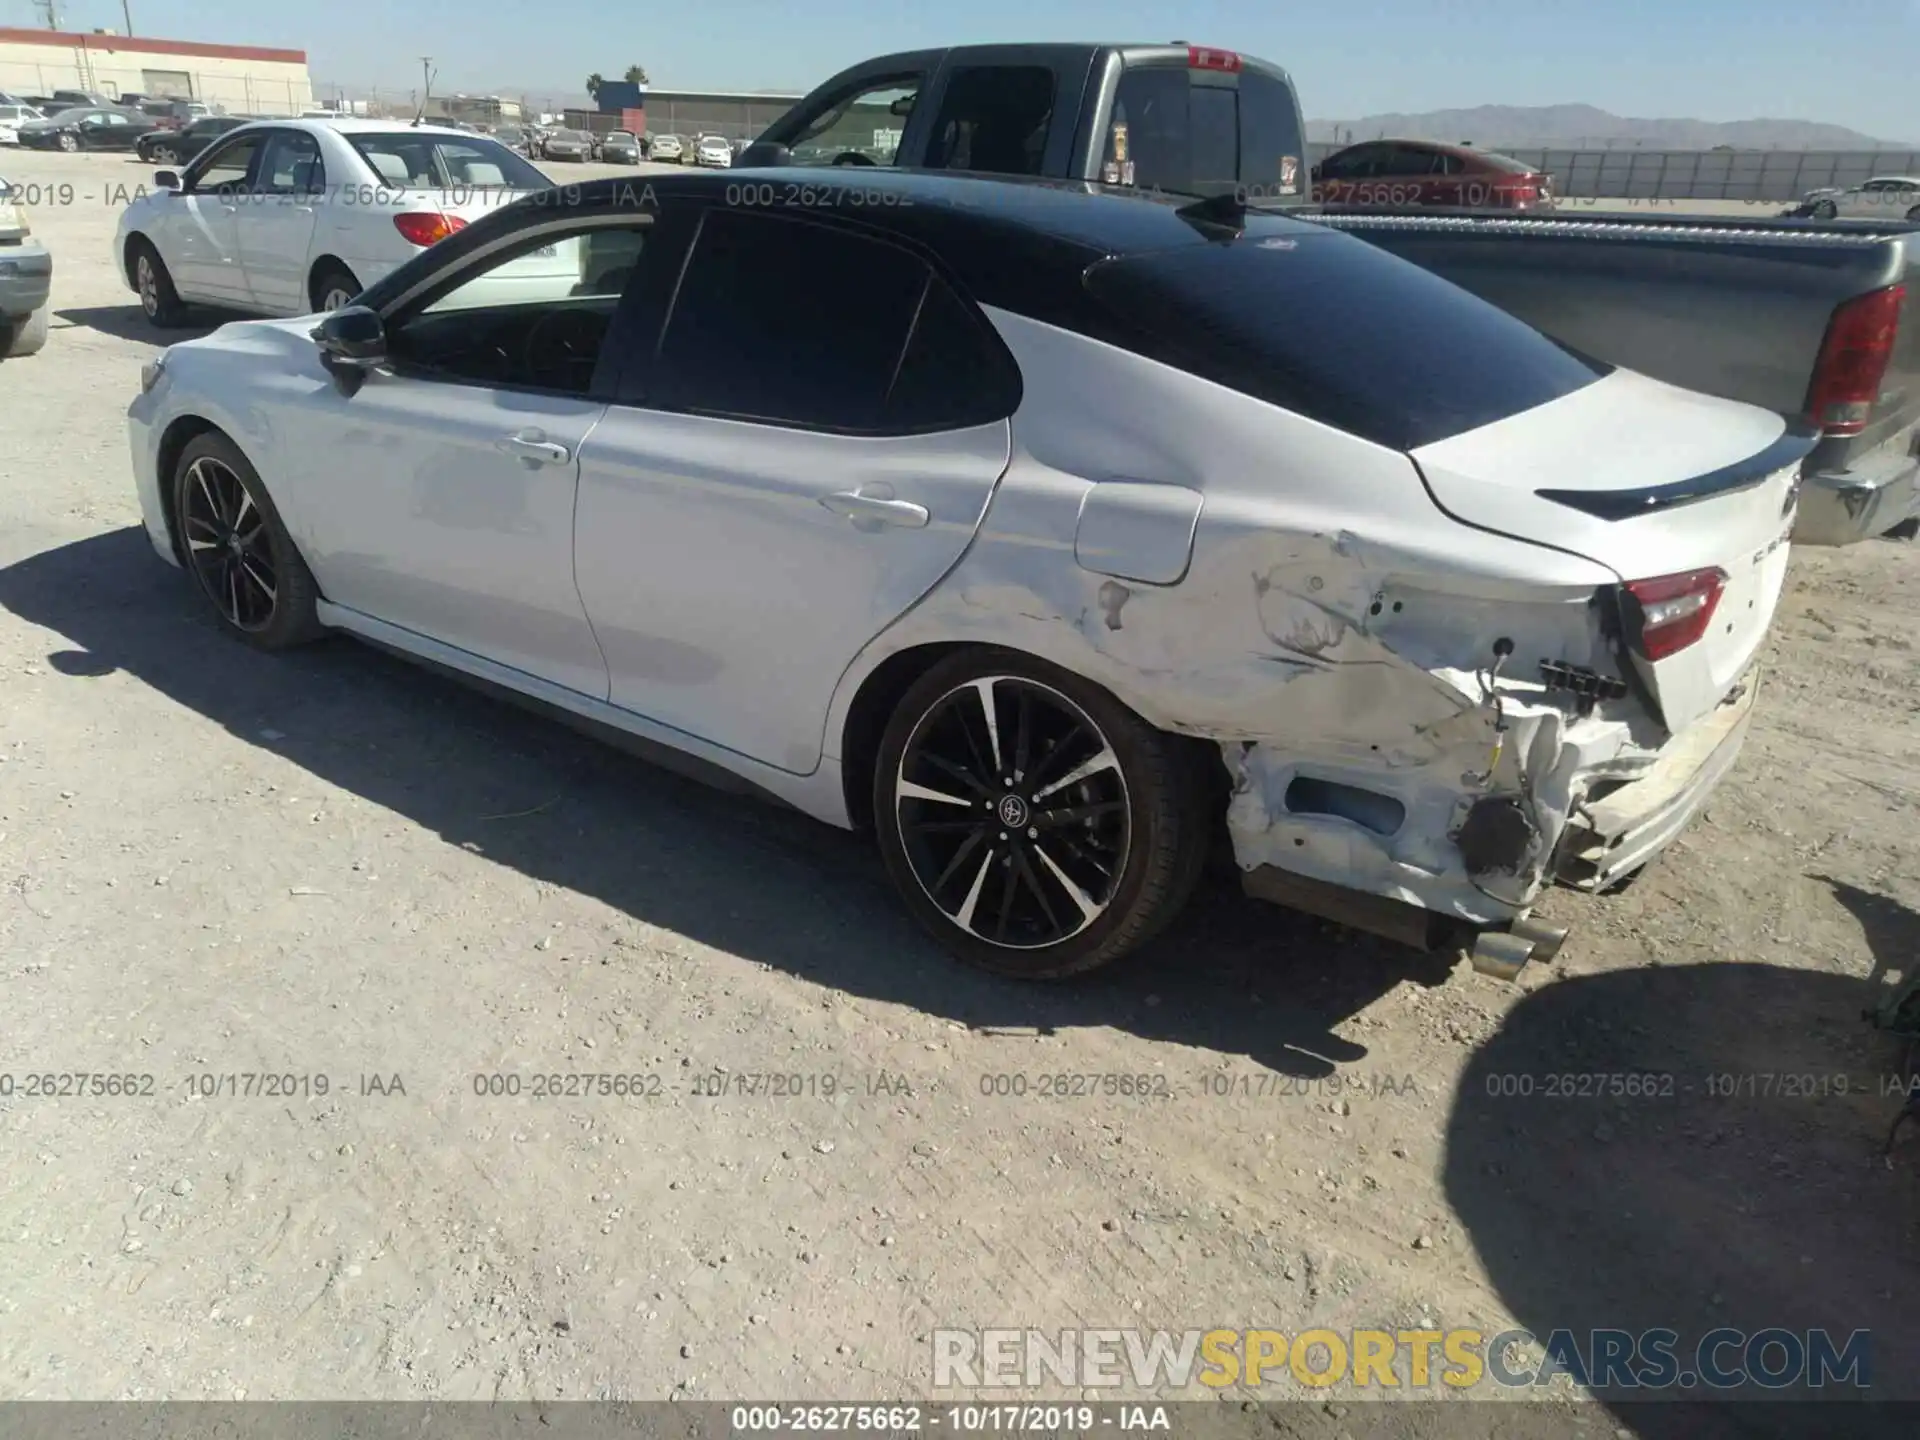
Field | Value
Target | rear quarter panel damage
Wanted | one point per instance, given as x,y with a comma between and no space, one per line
1327,629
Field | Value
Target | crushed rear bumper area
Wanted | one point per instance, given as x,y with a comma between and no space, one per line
1608,838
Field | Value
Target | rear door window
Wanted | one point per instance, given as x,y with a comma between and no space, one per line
1333,329
993,118
787,322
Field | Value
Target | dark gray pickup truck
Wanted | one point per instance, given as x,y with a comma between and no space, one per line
1812,320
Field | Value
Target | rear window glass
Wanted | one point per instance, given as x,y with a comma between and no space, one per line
1507,163
1197,135
414,161
1336,330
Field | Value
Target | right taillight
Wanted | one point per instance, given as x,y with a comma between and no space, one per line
1675,610
425,229
1853,361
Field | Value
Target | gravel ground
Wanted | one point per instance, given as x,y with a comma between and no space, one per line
334,864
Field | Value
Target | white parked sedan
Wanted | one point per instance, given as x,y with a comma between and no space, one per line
713,151
1884,197
287,217
1051,534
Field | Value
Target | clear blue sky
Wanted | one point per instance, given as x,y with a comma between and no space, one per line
1850,62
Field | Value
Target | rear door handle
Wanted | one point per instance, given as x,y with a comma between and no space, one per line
534,448
872,511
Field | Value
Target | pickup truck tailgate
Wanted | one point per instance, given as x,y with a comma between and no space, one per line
1687,498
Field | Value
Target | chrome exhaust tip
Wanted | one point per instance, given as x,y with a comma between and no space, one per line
1547,939
1501,955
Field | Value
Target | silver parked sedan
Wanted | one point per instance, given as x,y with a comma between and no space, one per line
1052,534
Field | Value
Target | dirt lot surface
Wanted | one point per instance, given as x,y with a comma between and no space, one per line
213,862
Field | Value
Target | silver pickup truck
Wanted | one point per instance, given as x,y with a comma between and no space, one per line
1811,320
26,276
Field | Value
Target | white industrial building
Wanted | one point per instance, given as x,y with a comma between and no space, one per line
237,79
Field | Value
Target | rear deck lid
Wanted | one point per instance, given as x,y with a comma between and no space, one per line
1688,498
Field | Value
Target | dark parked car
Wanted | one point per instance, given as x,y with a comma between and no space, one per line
1424,172
619,148
567,145
175,147
87,129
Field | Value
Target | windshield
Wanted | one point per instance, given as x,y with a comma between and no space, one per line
417,161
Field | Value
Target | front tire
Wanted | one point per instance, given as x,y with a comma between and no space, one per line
1032,823
163,155
69,142
234,544
1825,210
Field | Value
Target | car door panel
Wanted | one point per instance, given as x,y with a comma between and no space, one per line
420,510
275,228
201,244
732,570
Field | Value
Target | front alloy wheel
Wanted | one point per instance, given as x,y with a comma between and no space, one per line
233,541
164,155
69,141
225,533
1034,824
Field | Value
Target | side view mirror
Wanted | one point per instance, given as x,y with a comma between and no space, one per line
902,107
765,153
166,179
352,341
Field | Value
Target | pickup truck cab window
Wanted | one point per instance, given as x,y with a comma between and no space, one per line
995,118
862,127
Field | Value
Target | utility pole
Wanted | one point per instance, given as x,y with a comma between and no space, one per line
126,14
426,79
52,9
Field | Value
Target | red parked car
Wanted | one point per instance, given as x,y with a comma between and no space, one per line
1424,172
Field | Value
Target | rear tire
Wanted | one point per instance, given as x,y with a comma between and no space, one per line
1047,841
235,546
21,338
159,301
1824,210
333,287
1914,213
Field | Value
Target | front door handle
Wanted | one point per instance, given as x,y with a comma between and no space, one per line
532,447
870,511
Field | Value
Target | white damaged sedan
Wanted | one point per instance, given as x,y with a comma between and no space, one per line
1054,536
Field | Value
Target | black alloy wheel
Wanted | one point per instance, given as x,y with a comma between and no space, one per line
1033,823
227,545
233,542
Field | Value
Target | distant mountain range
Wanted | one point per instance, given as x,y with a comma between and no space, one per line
1578,127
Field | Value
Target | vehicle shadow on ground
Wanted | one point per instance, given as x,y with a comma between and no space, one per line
129,322
1751,1195
736,873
